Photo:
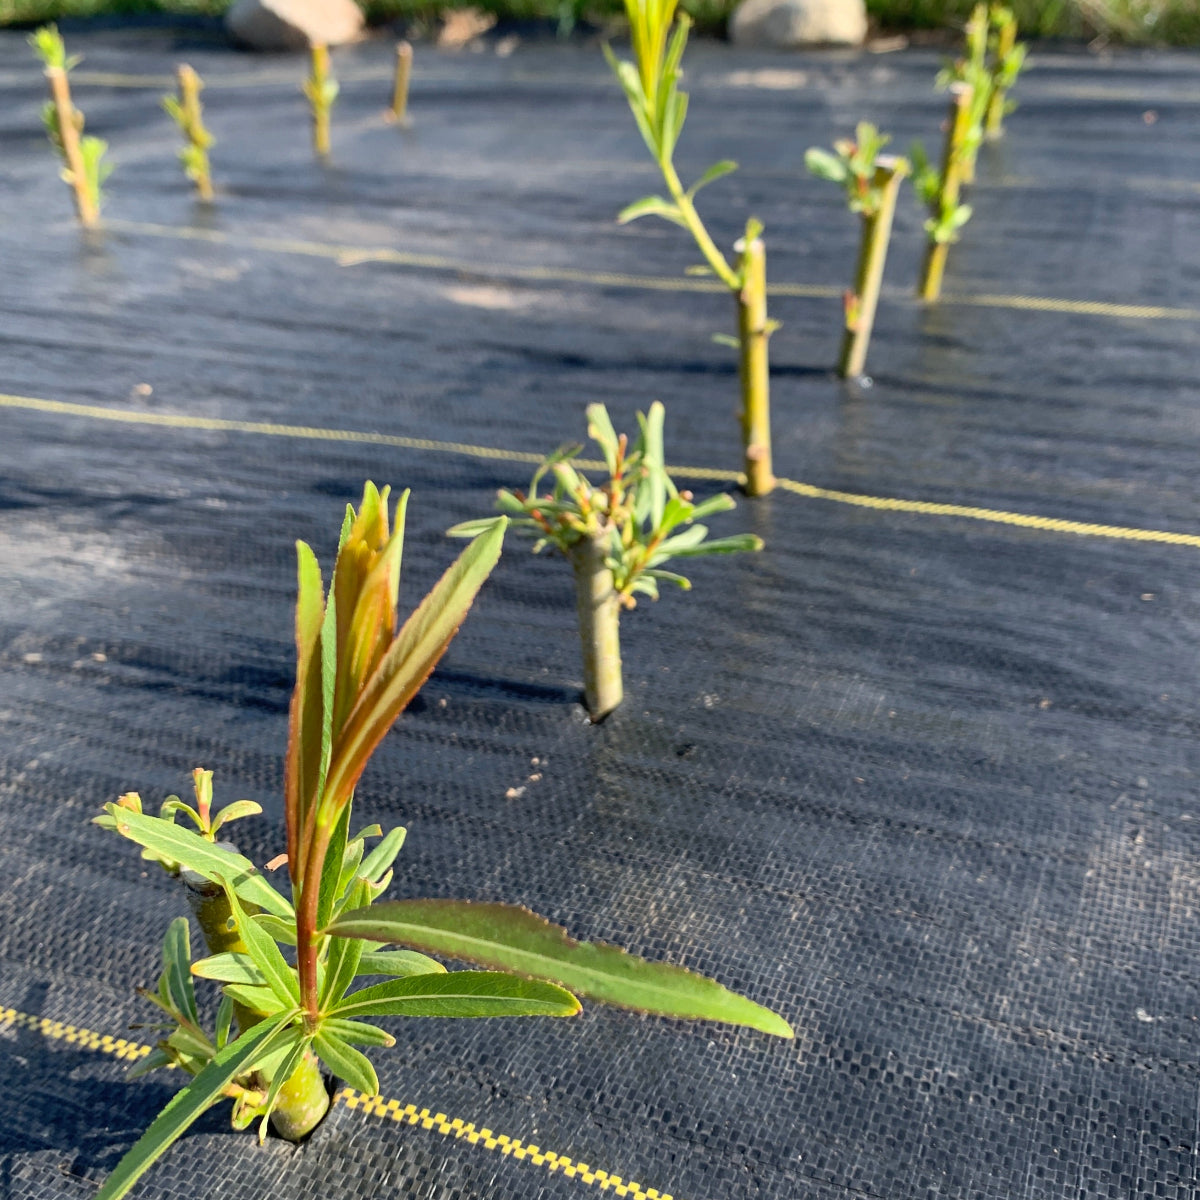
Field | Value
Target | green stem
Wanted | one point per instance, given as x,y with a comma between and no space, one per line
946,201
753,335
713,256
599,610
320,109
399,109
1006,40
69,124
872,255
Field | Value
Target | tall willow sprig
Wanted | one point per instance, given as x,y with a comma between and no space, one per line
651,85
84,168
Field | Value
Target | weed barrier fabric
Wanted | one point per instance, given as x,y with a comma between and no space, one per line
926,786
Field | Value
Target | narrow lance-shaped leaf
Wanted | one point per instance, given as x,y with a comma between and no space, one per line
280,977
411,658
513,939
460,994
186,1106
346,1062
200,855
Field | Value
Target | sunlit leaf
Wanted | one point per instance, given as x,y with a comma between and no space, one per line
513,939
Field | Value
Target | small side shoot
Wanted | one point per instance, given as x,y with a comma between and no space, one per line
322,90
84,168
187,112
939,191
651,85
871,182
618,536
1008,61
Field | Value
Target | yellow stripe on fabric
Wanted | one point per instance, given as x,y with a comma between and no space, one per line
438,1122
371,1106
351,255
928,508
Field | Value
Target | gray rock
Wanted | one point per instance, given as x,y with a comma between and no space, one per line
785,24
294,24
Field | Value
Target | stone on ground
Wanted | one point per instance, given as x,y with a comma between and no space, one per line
786,24
294,24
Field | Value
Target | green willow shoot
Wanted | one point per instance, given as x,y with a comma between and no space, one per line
618,536
188,114
322,90
355,673
871,182
84,168
651,85
1008,61
939,191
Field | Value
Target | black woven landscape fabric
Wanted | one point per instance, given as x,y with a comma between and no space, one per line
925,785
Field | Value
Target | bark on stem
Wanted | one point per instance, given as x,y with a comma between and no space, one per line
961,96
68,133
753,335
599,612
872,255
399,109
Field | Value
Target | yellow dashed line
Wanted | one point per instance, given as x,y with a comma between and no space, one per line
409,1114
926,508
371,1106
350,255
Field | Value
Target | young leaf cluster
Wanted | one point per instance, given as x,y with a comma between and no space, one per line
637,513
852,167
945,219
299,979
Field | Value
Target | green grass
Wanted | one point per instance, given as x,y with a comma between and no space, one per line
1172,22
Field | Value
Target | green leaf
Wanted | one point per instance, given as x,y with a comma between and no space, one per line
257,999
382,857
470,529
293,1053
331,869
601,431
718,170
224,1022
284,932
177,957
513,939
183,1108
345,1062
460,994
727,339
152,1062
261,947
651,206
235,812
200,855
736,544
357,1033
824,165
412,656
398,963
229,967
